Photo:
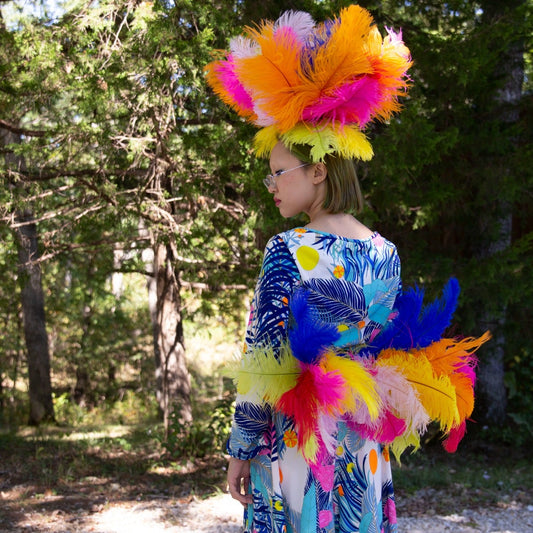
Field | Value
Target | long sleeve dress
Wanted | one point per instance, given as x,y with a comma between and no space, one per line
354,285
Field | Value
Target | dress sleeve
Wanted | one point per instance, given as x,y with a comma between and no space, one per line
269,314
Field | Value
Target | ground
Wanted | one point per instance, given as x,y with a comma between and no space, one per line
110,485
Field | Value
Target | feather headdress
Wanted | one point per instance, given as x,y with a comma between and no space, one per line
315,84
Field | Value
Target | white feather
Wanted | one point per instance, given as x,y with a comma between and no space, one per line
327,427
401,397
242,47
263,119
300,22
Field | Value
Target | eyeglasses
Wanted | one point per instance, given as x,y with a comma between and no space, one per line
270,180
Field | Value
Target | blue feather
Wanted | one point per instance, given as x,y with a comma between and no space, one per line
309,335
416,326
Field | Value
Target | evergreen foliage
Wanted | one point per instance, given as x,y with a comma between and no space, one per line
123,144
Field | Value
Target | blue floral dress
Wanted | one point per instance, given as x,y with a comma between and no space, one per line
354,283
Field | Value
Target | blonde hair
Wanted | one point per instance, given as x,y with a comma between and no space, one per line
343,192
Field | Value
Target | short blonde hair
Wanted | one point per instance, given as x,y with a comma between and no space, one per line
343,192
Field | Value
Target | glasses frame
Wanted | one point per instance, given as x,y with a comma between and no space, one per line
270,180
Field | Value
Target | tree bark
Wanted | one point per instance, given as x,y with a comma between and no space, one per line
32,298
173,384
38,354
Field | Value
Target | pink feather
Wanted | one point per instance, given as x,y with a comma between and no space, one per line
384,430
454,437
468,368
234,88
390,427
263,119
315,392
351,103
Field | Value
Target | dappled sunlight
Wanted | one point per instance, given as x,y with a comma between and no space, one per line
219,514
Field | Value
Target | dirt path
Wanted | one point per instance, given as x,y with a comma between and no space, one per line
221,514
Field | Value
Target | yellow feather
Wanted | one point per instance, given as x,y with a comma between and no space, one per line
348,142
436,393
266,376
401,443
310,449
265,140
361,387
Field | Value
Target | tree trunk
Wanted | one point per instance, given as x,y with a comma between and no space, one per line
32,297
492,393
40,387
172,377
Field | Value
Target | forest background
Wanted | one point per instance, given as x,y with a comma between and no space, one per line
133,214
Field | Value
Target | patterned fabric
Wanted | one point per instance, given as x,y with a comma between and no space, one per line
353,285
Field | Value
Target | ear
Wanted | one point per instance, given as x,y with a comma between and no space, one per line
320,173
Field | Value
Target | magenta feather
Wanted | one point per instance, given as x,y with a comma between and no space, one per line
353,102
390,427
468,368
316,392
230,82
454,437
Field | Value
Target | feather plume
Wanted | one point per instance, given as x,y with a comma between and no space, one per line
387,428
359,385
436,393
242,47
265,140
350,103
300,22
223,79
390,61
415,326
316,392
266,374
398,395
309,336
272,75
464,392
390,428
454,437
337,53
401,443
339,75
327,429
449,355
347,142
